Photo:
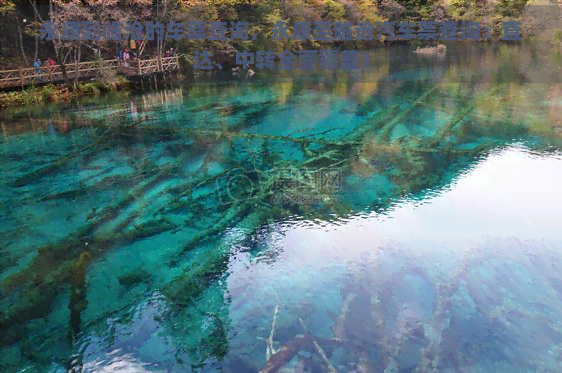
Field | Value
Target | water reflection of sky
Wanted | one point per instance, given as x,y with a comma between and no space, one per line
510,194
506,199
507,205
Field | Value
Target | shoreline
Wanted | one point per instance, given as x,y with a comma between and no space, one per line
17,99
50,93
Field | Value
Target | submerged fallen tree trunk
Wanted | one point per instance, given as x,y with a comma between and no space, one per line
329,366
387,129
36,300
285,354
55,265
185,288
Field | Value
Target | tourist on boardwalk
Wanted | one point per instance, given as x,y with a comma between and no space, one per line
168,54
38,69
133,46
126,57
37,66
51,64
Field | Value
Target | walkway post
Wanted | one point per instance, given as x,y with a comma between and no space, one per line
21,77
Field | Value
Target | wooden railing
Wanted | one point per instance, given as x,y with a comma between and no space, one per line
22,77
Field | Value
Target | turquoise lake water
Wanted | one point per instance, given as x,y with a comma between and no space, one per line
195,232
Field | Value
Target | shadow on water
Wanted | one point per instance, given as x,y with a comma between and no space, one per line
369,221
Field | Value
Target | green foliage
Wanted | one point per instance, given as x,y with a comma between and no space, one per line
557,37
462,9
262,15
334,10
417,10
49,92
89,89
59,93
557,57
511,8
6,6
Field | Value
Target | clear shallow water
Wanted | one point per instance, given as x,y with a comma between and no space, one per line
163,235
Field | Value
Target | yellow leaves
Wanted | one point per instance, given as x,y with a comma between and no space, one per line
540,125
340,88
518,102
518,99
450,82
33,29
555,92
557,37
192,3
360,166
460,9
372,154
555,111
549,123
489,105
336,11
6,6
274,17
362,91
284,89
297,10
372,148
105,3
369,11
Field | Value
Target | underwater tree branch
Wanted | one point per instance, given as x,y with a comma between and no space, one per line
319,349
285,354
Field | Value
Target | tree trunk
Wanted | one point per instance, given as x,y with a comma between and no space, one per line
58,51
159,51
36,37
60,60
77,56
159,42
36,16
21,43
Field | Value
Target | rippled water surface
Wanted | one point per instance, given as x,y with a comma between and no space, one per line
334,226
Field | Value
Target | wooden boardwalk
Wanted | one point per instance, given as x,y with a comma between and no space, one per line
136,67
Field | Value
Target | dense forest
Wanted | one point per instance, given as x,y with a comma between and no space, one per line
20,23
